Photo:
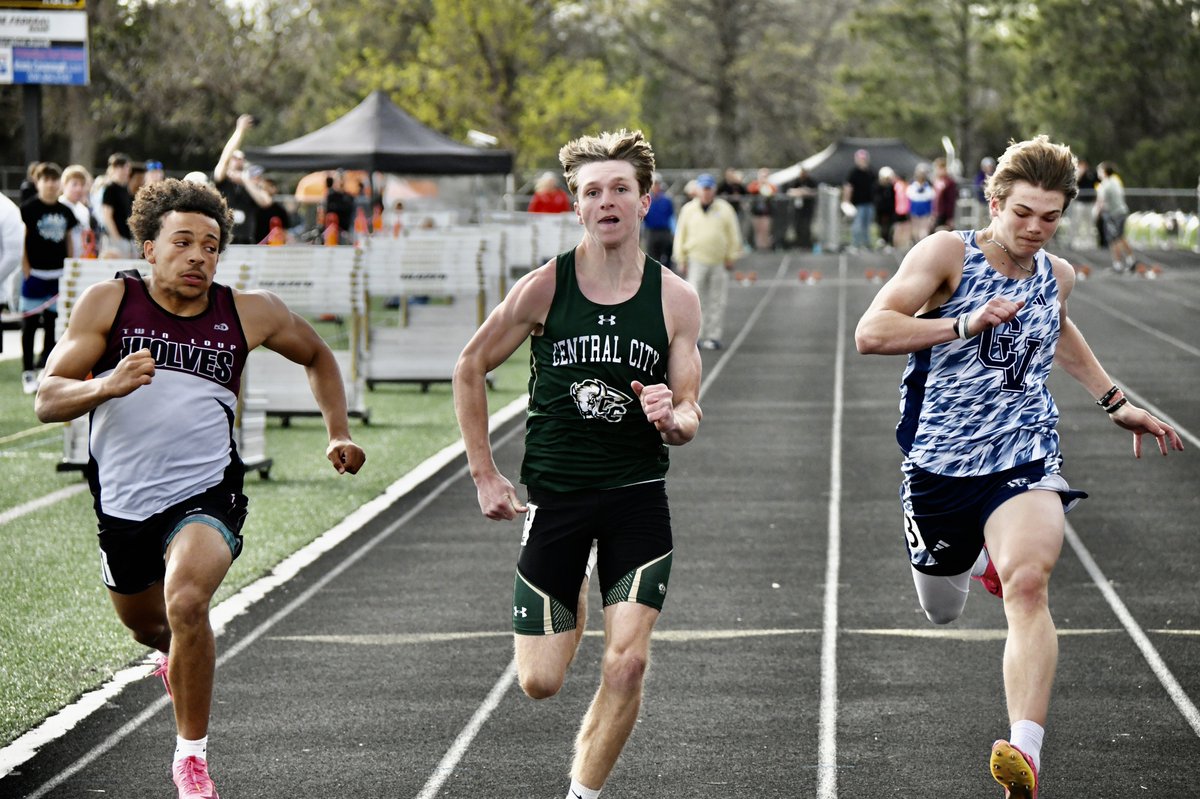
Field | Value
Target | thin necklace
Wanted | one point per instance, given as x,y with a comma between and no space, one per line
1021,266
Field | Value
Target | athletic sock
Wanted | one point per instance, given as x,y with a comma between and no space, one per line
981,563
185,748
1027,736
577,791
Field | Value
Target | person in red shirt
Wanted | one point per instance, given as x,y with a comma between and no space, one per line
548,197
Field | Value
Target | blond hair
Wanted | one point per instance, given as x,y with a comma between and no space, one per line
1039,162
622,145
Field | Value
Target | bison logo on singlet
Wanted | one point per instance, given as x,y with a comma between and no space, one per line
596,400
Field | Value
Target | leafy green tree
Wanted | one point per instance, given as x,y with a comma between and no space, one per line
923,69
497,67
1116,81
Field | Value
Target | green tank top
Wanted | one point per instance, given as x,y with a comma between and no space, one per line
585,427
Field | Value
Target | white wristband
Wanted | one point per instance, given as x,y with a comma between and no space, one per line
960,327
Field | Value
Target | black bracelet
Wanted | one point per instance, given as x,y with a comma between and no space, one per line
1107,398
1116,405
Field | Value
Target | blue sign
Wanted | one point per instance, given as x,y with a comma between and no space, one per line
61,65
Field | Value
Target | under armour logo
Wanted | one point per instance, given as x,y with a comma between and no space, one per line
220,326
611,319
520,613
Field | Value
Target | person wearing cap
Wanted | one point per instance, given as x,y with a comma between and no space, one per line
859,191
708,241
548,198
154,172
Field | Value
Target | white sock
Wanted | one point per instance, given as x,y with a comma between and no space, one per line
185,748
981,563
1027,736
577,791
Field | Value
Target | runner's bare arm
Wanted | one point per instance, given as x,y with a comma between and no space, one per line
273,325
674,407
926,278
65,392
1077,359
519,315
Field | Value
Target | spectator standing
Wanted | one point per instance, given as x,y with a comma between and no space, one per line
1112,212
732,189
548,197
659,223
48,225
945,196
920,203
154,172
76,181
338,202
885,205
708,241
116,204
986,167
137,178
1088,180
902,227
803,194
263,216
762,199
12,247
166,478
28,188
231,177
859,191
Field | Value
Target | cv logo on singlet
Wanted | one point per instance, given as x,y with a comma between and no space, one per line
999,351
596,400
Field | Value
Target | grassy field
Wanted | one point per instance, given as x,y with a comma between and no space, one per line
58,634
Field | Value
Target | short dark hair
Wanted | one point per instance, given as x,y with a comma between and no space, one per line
118,159
47,169
159,199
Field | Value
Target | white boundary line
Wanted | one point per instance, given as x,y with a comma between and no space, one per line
13,514
1157,665
459,748
827,749
26,746
1129,320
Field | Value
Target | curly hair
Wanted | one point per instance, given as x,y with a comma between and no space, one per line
1037,161
623,145
159,199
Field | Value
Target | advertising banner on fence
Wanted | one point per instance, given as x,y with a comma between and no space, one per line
43,46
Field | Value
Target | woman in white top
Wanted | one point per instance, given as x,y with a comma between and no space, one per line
1111,210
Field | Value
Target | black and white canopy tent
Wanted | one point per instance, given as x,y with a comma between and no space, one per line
832,164
377,136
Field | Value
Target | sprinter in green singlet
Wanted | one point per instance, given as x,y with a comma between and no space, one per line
614,379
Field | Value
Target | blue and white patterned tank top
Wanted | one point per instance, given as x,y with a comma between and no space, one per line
979,406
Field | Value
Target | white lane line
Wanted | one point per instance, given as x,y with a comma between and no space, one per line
59,724
459,748
827,749
1157,664
751,321
1129,320
37,504
966,635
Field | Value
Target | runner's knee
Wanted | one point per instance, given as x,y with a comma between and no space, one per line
624,670
540,683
